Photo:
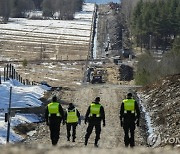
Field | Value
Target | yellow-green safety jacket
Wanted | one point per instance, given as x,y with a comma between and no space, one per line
95,109
129,105
72,116
53,108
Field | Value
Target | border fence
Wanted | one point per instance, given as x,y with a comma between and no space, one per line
10,73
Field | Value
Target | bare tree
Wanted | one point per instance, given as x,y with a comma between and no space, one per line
4,10
65,8
19,7
48,8
127,8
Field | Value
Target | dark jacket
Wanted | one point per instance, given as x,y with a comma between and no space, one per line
93,118
53,118
77,112
129,116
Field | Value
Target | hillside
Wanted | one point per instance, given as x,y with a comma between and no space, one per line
161,100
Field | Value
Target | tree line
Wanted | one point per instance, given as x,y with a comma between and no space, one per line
65,9
154,25
150,70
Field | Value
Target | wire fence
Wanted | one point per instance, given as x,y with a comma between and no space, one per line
10,73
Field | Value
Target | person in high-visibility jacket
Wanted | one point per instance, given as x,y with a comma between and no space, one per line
54,114
72,117
129,116
94,115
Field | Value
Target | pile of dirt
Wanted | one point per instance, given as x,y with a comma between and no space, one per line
162,102
23,129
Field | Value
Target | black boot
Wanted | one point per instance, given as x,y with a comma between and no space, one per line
86,141
54,142
96,144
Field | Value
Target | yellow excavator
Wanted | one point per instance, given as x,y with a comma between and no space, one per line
97,75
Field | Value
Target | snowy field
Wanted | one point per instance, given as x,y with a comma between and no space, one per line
58,37
82,23
22,96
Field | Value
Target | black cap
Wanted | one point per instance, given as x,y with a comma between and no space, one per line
97,99
71,104
129,95
54,98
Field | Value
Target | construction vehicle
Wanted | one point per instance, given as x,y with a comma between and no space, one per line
97,75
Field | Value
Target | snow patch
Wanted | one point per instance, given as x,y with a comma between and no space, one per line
22,96
150,127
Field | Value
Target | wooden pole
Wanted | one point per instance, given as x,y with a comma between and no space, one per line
9,116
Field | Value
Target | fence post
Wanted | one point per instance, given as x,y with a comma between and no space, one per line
0,77
28,82
10,69
12,74
7,72
9,116
4,74
19,78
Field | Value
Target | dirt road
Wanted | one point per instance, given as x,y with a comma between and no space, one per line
111,137
111,97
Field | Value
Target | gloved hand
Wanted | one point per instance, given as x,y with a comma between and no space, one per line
137,123
122,123
85,121
104,124
79,122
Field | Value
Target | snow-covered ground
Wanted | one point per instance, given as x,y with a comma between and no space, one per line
81,25
22,96
58,37
153,139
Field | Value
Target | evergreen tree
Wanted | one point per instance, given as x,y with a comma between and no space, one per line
158,19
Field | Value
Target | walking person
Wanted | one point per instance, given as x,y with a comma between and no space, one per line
94,115
72,117
129,116
54,114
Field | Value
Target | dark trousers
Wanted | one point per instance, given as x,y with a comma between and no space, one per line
70,126
89,131
54,128
129,127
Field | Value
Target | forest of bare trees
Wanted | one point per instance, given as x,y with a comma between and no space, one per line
65,8
17,8
4,10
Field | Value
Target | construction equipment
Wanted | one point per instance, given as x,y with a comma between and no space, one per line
97,75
